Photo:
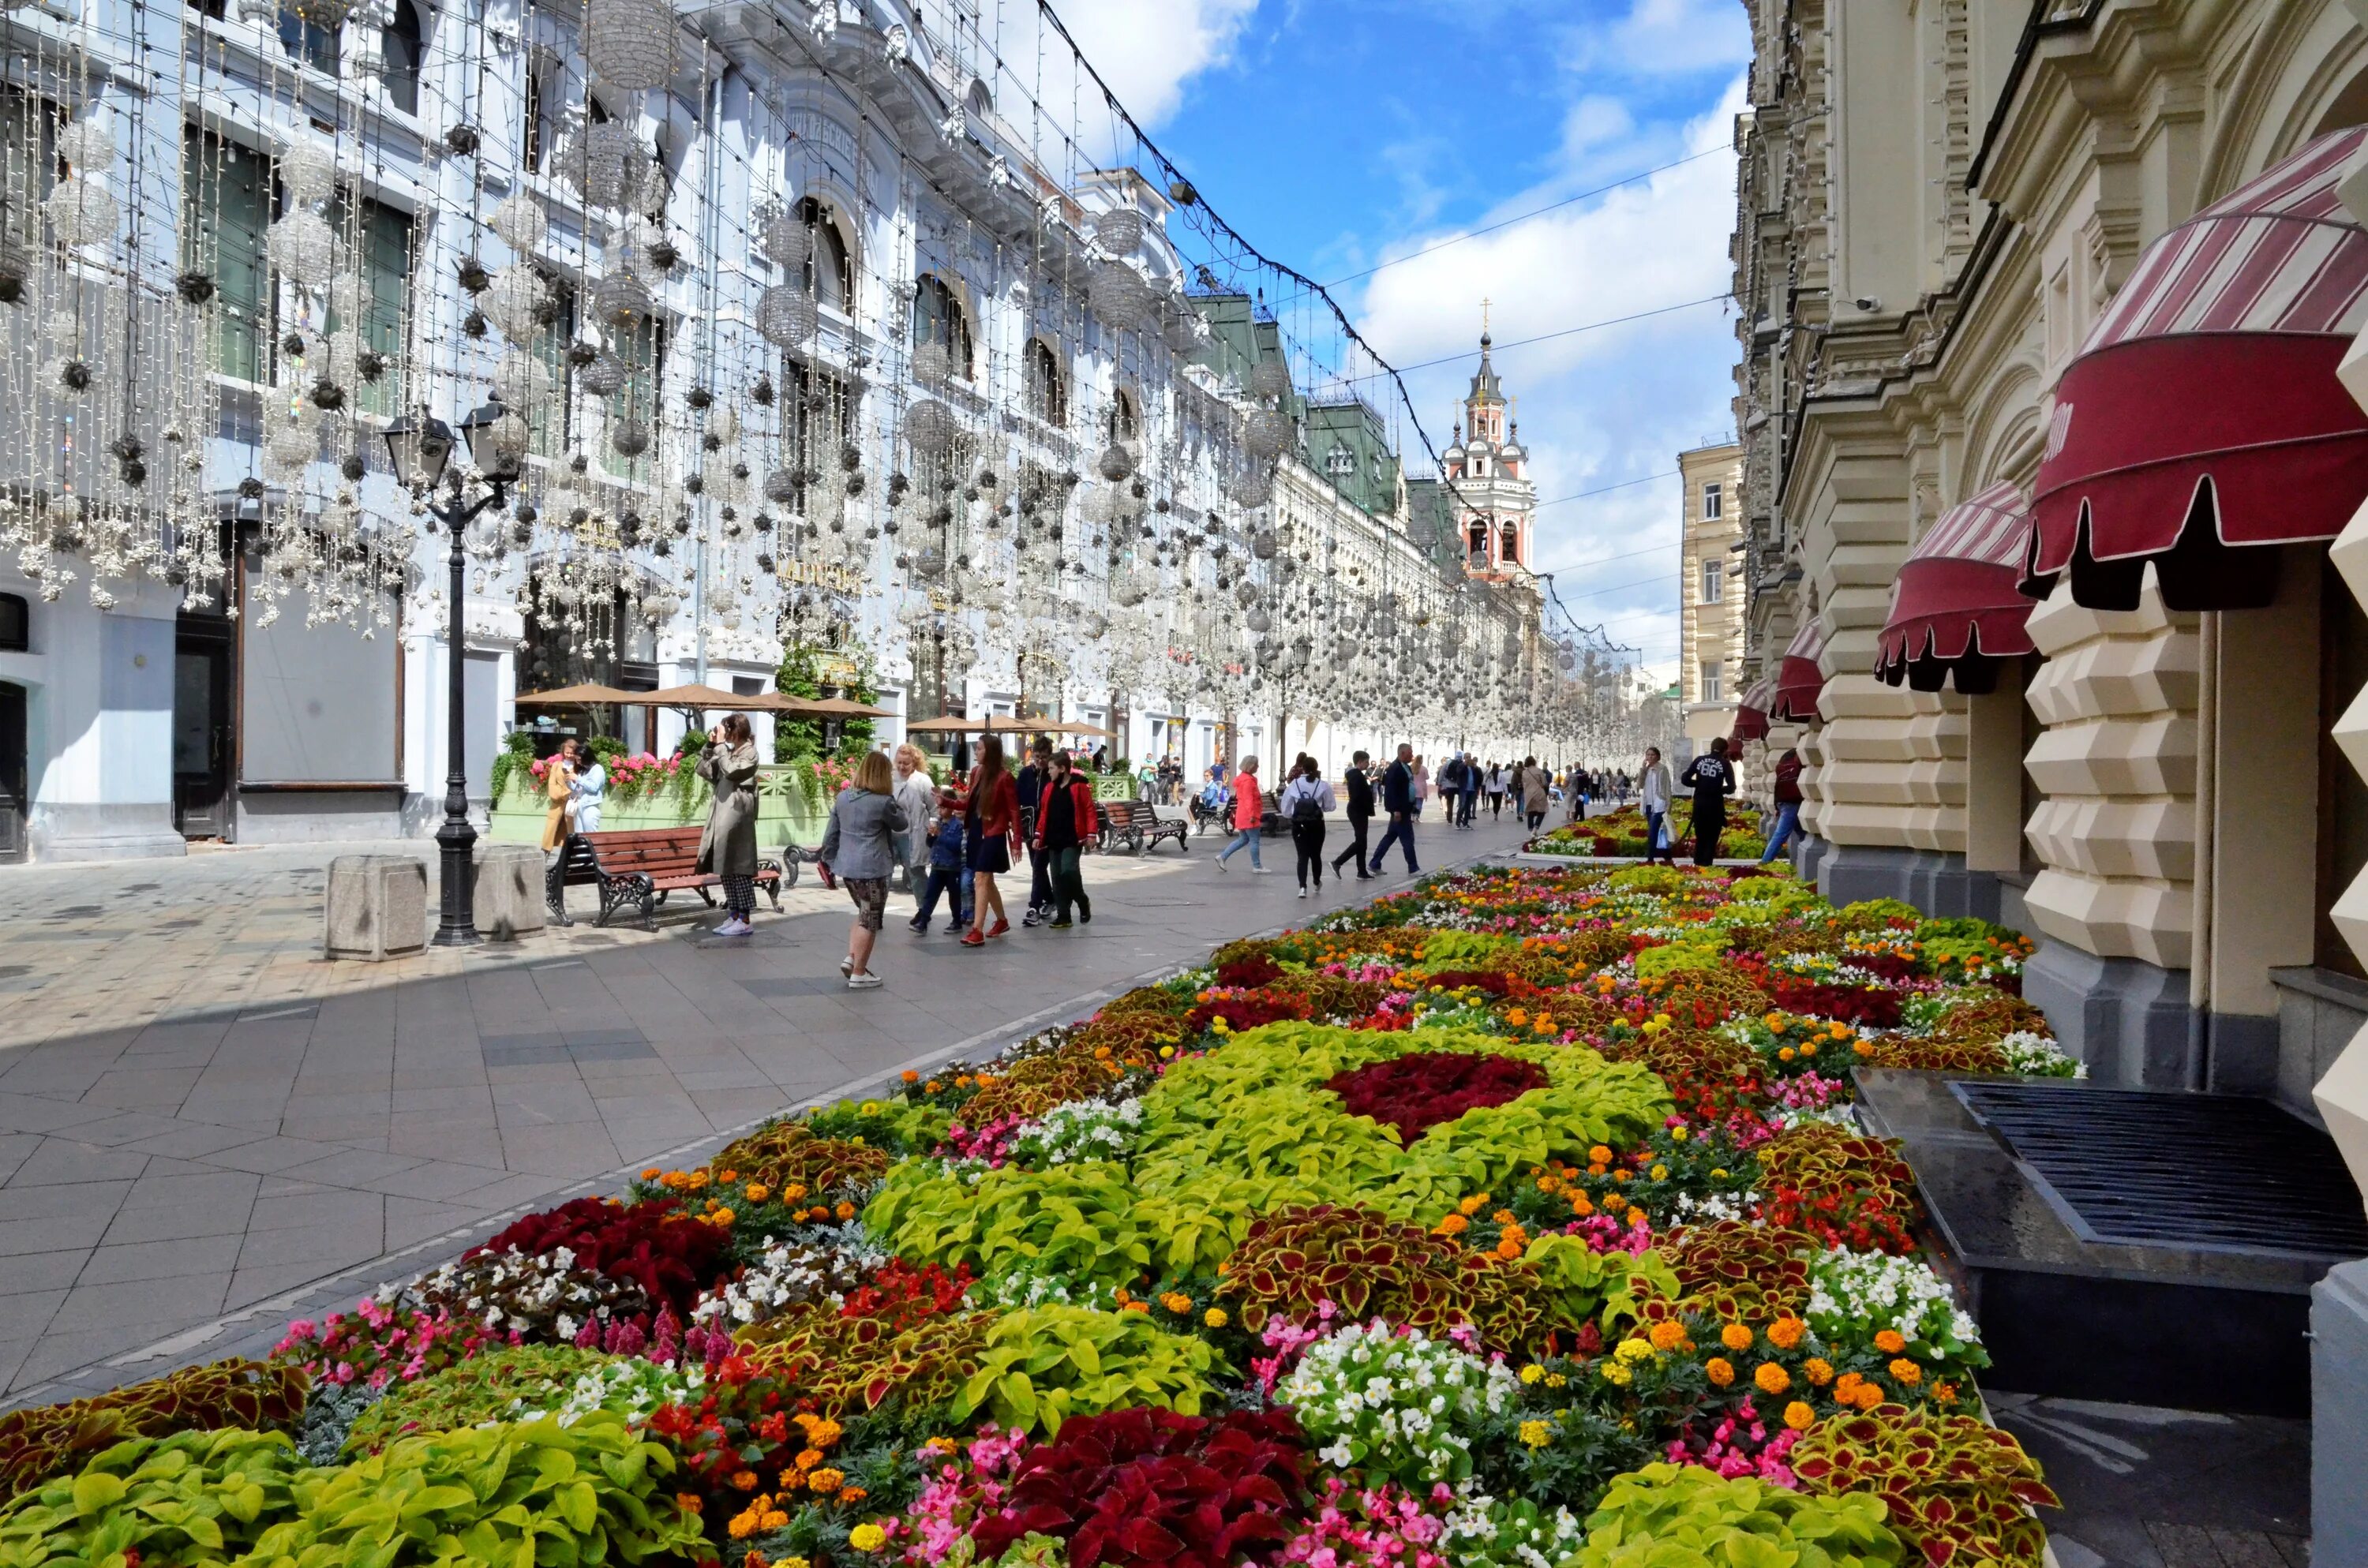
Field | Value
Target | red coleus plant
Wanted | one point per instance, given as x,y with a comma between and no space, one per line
1416,1092
1248,971
1851,1004
670,1255
1247,1010
900,1295
1150,1487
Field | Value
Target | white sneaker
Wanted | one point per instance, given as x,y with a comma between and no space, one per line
1221,862
1302,893
847,966
1260,871
735,926
867,981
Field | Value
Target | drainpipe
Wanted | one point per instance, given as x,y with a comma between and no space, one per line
2208,780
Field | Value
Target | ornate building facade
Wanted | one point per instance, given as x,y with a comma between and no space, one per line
1496,500
1710,595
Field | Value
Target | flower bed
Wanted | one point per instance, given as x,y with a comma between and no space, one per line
1520,1218
1620,835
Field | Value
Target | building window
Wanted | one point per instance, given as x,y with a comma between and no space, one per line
1339,462
537,136
1710,683
938,318
226,198
15,624
384,244
1713,582
1479,466
1509,542
1477,544
1048,399
821,418
1124,425
28,164
307,43
830,269
548,419
401,49
1714,502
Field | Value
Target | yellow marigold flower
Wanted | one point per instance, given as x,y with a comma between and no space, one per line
1635,1350
939,1446
1472,1204
1215,1317
1531,1374
1799,1417
1555,1379
1721,1371
1735,1336
1907,1371
1660,1173
1772,1378
826,1480
722,1216
793,1193
867,1537
1616,1372
758,1192
1177,1301
1677,1134
1785,1332
1785,1054
1546,1184
1599,1155
789,1562
1536,1434
745,1480
1667,1335
1890,1341
1820,1372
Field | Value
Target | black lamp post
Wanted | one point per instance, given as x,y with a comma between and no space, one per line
420,449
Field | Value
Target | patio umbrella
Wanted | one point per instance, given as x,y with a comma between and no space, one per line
1084,729
950,724
697,695
826,708
573,696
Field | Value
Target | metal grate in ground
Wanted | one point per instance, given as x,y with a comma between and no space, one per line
2163,1168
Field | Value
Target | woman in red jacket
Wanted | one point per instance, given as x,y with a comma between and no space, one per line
991,833
1249,816
1065,820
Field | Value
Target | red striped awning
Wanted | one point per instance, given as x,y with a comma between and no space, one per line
1751,713
2202,415
1954,606
1798,678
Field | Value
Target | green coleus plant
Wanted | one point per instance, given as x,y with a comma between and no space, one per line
1669,1515
1042,1365
191,1497
1079,1221
534,1492
52,1439
496,1386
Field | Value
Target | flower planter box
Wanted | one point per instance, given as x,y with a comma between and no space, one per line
783,817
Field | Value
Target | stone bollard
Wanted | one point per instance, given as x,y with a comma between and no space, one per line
509,892
376,908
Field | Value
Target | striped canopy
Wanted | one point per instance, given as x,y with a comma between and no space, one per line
2202,418
1954,607
1798,678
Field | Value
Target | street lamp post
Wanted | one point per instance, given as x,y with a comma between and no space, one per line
420,449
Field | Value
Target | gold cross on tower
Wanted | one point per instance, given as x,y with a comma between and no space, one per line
1483,314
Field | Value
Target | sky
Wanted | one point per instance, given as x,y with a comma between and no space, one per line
1341,135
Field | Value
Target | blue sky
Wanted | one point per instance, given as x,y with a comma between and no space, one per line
1338,134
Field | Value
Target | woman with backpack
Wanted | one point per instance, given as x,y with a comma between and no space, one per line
1304,802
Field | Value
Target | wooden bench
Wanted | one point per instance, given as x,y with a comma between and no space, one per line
640,867
1136,825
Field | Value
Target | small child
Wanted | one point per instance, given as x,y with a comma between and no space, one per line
946,874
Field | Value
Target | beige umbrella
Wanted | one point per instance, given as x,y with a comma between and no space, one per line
1083,729
950,724
697,695
827,708
573,696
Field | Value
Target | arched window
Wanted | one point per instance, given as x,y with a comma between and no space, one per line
1048,398
402,46
1124,425
981,102
308,43
1509,545
939,318
1478,543
830,270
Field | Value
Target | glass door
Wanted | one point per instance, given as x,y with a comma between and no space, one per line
201,733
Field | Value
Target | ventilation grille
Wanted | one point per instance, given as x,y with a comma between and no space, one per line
2157,1168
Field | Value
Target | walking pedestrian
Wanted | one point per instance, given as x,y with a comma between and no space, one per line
557,787
1030,787
990,824
1575,794
1470,796
946,872
1304,800
1496,790
1398,799
1450,784
728,847
1788,804
586,791
1065,819
1533,793
1712,778
1421,785
918,794
1361,815
861,846
1653,795
1249,816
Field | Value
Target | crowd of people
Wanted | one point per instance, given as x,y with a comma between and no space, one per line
954,843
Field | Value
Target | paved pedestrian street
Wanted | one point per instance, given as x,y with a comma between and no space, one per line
206,1130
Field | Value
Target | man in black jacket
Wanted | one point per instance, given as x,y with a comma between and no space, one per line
1398,798
1361,816
1031,785
1712,778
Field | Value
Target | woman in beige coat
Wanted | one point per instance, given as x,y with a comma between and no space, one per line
728,847
558,779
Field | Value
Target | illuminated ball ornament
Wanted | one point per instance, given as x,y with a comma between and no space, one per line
785,238
82,213
622,300
604,377
1270,378
786,315
930,428
1264,434
303,246
1119,231
630,44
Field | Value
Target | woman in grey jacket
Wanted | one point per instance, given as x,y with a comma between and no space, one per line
728,847
860,848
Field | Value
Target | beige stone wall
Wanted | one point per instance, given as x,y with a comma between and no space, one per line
1710,632
2116,834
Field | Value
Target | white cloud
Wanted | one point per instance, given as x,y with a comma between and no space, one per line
1600,407
1146,50
1661,37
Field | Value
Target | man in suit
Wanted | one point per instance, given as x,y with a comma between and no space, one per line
1398,799
1361,816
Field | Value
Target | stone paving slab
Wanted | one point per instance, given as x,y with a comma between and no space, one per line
207,1131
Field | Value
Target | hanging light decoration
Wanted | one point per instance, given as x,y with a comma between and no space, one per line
930,428
630,44
1270,380
787,315
303,246
1117,231
1265,432
1120,295
785,238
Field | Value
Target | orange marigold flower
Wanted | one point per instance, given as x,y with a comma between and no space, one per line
1454,1225
731,1176
1799,1417
1599,1155
745,1480
1907,1371
807,1459
826,1480
844,1211
651,1175
1581,1205
1721,1371
1785,1332
911,1077
1820,1372
1508,1246
1735,1336
1772,1378
1667,1335
690,1502
1890,1342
